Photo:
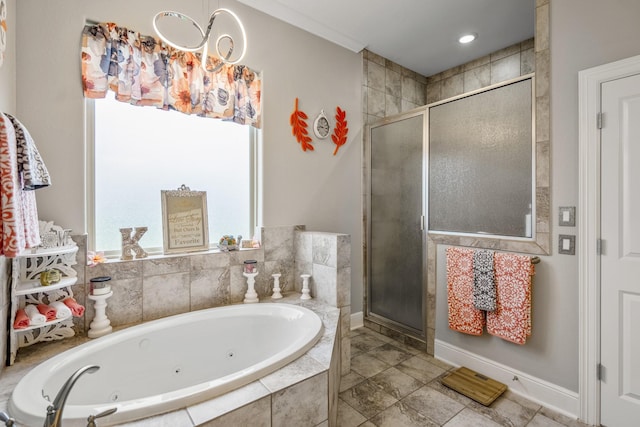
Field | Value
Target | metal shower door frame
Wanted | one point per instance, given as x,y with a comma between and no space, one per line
420,335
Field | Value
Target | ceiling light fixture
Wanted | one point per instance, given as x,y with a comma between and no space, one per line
204,44
467,38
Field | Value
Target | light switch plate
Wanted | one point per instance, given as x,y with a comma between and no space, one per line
566,244
567,216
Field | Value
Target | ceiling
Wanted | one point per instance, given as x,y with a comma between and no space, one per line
420,35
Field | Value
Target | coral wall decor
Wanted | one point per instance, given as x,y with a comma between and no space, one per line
299,128
340,131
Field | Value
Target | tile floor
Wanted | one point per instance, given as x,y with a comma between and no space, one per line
393,385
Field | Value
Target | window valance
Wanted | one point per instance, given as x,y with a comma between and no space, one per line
142,70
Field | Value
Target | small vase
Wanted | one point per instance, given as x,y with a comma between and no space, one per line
305,287
276,286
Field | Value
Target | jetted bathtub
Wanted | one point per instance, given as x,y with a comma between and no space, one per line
168,364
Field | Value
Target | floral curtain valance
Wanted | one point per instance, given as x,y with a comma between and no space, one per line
142,70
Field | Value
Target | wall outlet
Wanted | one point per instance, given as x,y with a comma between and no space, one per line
566,244
567,216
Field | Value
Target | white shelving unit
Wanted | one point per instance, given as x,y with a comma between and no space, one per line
26,289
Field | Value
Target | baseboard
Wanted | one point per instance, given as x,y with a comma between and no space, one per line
535,389
357,320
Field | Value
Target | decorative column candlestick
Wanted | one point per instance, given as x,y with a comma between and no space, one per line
251,296
276,286
305,286
101,325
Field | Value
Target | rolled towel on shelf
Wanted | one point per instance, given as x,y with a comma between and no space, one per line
62,310
35,318
76,309
22,320
47,311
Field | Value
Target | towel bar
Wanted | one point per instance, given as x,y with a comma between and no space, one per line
535,259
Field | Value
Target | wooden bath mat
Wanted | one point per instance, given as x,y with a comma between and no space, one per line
475,386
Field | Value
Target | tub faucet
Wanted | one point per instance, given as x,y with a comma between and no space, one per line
54,411
8,421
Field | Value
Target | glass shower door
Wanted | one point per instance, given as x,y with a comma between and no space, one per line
396,249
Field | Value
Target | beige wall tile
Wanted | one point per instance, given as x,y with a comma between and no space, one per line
304,404
452,86
477,78
393,83
165,295
376,76
505,69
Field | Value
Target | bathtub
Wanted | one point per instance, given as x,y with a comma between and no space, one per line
168,364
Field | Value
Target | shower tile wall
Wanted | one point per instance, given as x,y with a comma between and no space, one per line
389,88
505,64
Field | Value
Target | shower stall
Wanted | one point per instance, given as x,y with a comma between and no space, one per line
396,156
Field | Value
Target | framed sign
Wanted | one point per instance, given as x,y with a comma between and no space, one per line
184,220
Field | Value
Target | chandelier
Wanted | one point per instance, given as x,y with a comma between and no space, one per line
203,45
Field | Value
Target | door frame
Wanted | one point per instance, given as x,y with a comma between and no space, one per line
589,139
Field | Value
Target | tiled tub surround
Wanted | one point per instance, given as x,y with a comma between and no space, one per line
155,287
303,393
161,286
327,257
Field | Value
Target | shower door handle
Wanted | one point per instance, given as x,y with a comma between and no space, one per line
421,222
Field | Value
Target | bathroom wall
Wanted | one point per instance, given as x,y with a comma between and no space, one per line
7,105
8,67
599,34
312,188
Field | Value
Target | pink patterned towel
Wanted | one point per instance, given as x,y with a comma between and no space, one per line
463,316
512,319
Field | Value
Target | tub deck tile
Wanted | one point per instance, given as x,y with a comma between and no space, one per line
300,369
219,406
172,419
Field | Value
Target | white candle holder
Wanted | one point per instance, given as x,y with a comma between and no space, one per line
276,286
305,286
251,296
101,325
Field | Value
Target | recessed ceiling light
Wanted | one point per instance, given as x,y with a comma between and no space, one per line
467,38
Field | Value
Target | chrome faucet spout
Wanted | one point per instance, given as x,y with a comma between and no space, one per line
54,411
8,421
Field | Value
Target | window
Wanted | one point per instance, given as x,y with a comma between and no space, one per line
139,151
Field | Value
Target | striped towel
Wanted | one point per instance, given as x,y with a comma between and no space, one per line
512,319
19,229
463,316
484,284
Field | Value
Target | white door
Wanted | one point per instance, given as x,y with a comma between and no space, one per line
620,260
